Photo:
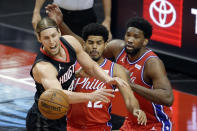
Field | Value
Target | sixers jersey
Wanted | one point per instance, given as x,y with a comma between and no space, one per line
65,69
91,114
155,113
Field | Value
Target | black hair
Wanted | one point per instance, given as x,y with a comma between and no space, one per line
142,24
96,30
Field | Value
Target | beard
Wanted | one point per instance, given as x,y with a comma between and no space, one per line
96,59
96,55
132,52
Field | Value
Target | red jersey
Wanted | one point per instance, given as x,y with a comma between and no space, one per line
91,114
155,113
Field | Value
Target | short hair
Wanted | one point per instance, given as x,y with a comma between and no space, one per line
45,23
96,30
142,24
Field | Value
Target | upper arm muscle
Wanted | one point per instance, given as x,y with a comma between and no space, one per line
113,49
82,57
41,75
155,71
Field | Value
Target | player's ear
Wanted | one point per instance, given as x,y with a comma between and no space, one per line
145,42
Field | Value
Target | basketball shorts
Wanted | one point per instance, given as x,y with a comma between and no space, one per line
128,126
36,122
95,128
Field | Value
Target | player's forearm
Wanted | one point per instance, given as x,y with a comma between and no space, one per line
38,5
132,103
107,10
99,73
158,96
96,71
65,30
77,97
129,98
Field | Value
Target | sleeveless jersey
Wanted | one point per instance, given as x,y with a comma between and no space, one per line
91,114
66,72
155,113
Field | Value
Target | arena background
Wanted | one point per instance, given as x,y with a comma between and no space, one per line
18,47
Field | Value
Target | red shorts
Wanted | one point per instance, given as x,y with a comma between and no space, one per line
95,128
128,126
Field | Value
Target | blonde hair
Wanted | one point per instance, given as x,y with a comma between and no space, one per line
44,24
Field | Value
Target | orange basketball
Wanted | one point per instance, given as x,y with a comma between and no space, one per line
53,104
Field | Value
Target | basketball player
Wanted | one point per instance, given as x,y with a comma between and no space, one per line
54,68
148,77
77,13
95,116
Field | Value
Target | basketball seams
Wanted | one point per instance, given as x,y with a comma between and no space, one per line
54,113
53,103
63,95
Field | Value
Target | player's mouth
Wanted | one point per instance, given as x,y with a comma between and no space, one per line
53,48
129,46
94,53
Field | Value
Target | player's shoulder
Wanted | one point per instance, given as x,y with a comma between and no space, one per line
117,43
115,47
150,57
154,61
42,67
69,37
72,41
154,64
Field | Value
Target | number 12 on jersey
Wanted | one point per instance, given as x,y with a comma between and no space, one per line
96,104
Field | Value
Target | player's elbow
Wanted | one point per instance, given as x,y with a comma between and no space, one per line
168,100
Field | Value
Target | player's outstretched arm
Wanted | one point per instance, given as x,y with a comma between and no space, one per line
90,66
154,72
55,13
36,13
98,95
127,93
49,80
107,13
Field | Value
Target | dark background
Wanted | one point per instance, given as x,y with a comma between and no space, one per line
182,59
16,31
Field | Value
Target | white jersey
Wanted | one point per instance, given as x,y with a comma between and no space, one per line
74,5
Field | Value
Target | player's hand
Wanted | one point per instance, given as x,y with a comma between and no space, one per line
101,95
54,13
81,73
118,82
35,19
141,116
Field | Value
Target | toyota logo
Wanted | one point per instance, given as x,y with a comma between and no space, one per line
162,13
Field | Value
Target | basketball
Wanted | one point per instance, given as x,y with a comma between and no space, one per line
53,104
